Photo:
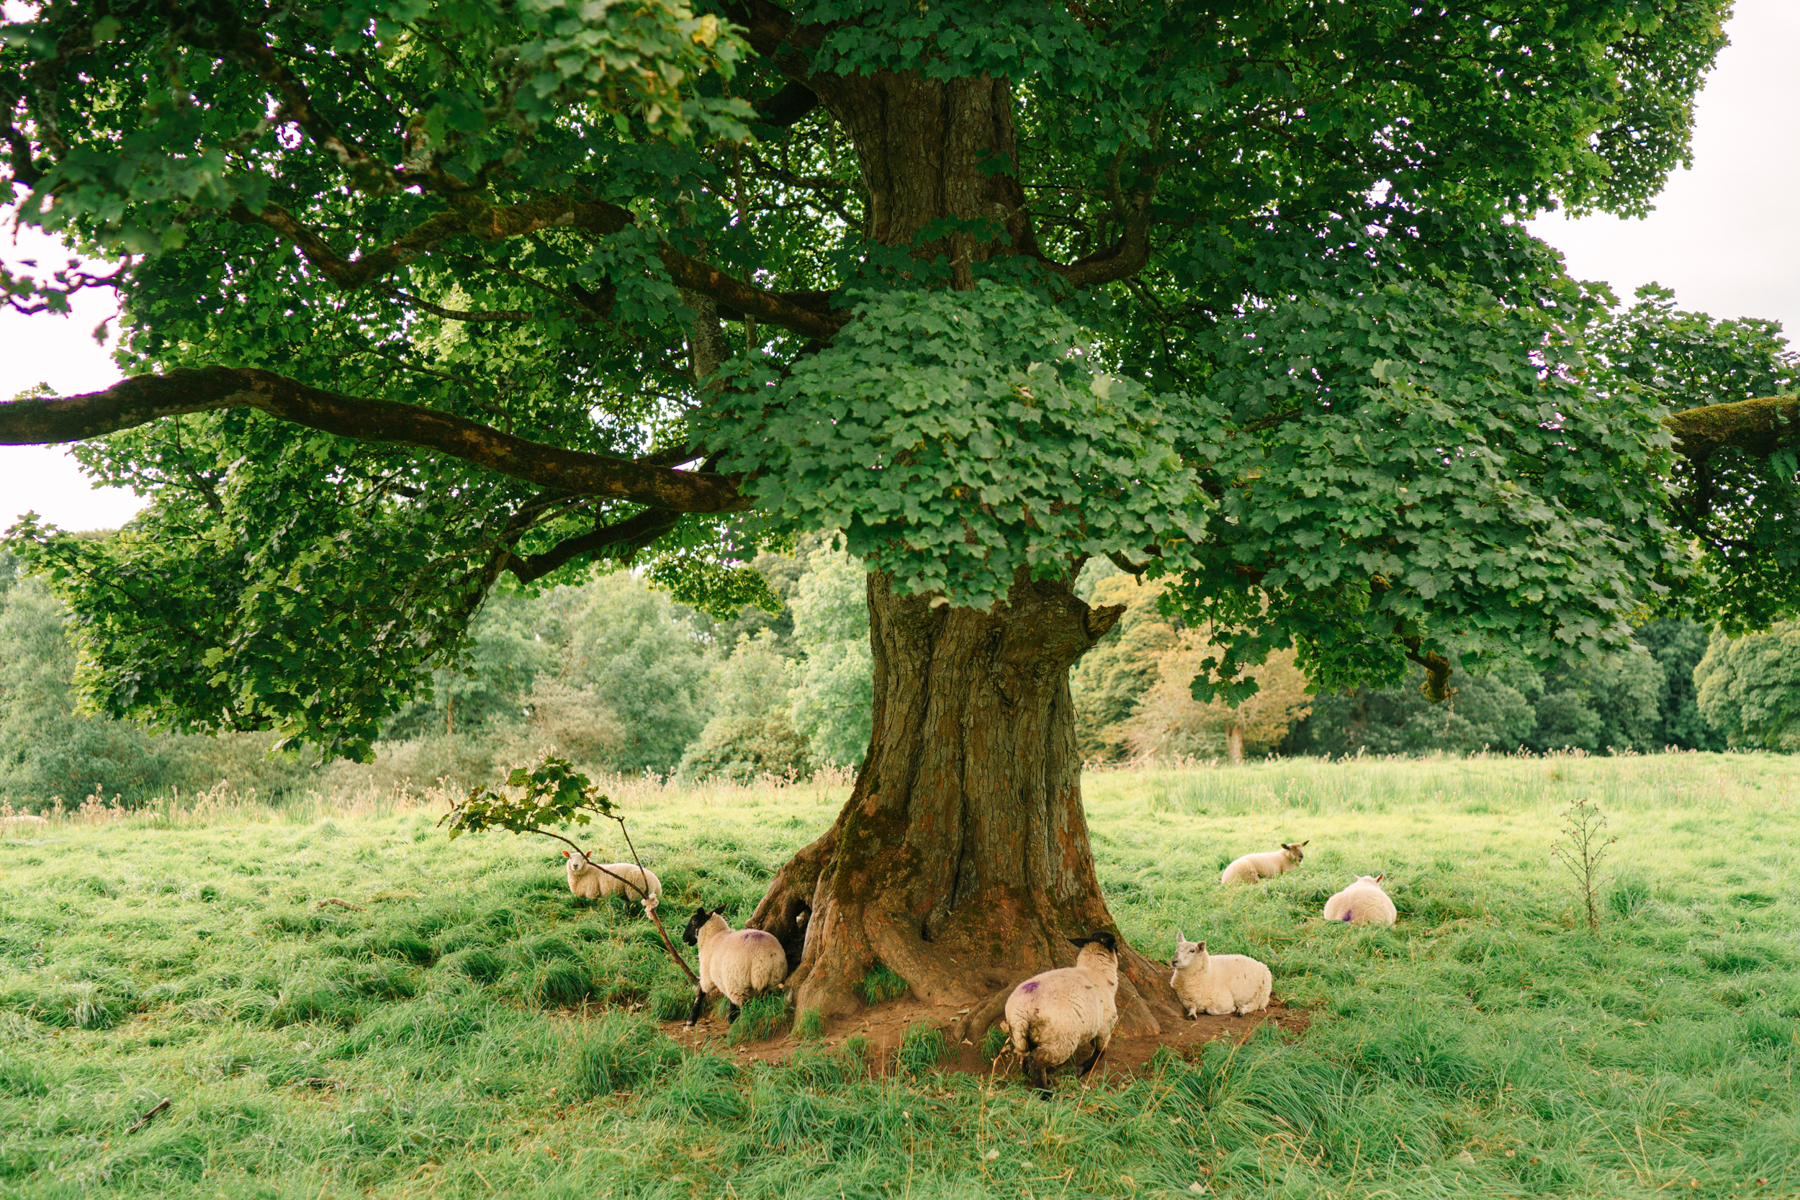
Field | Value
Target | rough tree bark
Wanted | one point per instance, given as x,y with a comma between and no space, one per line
961,859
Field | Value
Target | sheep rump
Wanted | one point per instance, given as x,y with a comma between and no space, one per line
1362,903
1218,984
1053,1014
742,964
1254,868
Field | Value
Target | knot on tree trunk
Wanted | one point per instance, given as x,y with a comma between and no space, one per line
1101,620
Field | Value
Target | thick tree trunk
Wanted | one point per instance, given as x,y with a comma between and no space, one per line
961,860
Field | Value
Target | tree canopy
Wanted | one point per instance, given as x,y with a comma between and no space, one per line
419,294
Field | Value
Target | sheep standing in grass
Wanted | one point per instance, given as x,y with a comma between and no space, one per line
1362,903
1053,1014
593,881
1253,868
1218,984
741,963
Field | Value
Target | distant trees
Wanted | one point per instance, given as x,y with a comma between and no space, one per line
617,676
750,734
1131,698
1749,687
613,674
1132,692
833,696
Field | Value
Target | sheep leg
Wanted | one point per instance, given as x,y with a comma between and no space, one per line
732,1018
699,1003
1088,1070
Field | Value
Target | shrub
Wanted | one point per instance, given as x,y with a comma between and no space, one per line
740,749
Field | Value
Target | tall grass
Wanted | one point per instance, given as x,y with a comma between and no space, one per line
337,1002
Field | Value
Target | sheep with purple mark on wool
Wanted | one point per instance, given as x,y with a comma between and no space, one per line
742,964
1054,1013
1362,903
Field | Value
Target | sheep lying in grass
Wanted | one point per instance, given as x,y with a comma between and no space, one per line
1362,903
1253,868
23,821
592,881
1218,984
742,964
1053,1014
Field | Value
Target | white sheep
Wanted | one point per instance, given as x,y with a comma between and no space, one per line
591,880
1362,903
1253,868
1053,1014
742,963
23,821
1218,984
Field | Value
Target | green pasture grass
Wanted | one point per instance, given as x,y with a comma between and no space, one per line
881,984
338,1002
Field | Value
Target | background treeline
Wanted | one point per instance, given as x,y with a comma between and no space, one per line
621,678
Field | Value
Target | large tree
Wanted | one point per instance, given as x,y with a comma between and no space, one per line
419,294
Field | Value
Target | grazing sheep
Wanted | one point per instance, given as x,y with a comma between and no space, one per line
1053,1014
591,880
1218,984
742,963
1362,903
23,821
1253,868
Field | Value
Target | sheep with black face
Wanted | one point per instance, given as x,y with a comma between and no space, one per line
742,964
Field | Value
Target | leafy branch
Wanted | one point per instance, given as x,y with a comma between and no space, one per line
554,793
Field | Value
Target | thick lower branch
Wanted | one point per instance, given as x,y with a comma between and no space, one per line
1758,427
144,398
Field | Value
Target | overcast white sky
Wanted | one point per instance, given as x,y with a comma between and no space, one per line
1725,236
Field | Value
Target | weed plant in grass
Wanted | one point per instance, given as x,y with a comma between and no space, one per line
416,1044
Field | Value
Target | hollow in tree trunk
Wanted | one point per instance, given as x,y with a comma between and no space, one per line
961,859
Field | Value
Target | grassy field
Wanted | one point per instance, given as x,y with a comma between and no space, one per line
337,1002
